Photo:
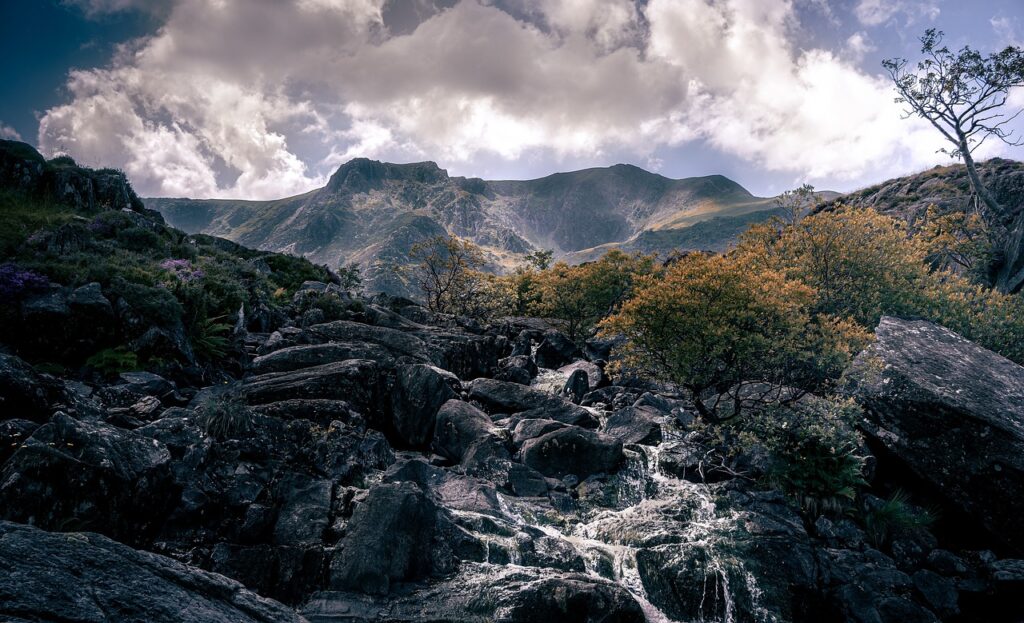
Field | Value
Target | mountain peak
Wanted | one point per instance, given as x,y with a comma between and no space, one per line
363,174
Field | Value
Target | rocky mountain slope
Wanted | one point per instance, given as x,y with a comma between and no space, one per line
372,212
948,189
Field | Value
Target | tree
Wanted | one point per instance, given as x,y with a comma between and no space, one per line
445,271
961,94
794,204
861,264
539,259
582,295
958,240
733,334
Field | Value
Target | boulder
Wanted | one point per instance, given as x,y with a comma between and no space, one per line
556,350
396,535
90,578
26,394
310,355
459,425
145,383
71,473
572,450
576,386
355,381
595,375
418,393
502,397
636,425
952,413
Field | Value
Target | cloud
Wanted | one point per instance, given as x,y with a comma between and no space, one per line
877,12
1006,30
9,133
96,8
223,101
859,45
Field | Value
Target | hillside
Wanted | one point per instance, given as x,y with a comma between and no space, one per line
949,190
372,212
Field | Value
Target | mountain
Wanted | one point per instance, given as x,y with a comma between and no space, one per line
372,212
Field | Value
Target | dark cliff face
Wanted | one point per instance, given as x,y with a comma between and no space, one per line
357,215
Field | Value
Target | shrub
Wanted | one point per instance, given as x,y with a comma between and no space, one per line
226,417
138,239
581,296
209,338
885,519
716,325
113,361
16,283
814,448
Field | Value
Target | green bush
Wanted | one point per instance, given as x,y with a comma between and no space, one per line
138,239
815,451
891,517
226,417
113,361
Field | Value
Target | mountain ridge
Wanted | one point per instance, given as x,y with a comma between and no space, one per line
360,214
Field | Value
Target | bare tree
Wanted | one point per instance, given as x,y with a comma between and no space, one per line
796,203
446,271
961,94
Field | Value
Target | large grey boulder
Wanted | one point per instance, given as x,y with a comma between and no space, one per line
90,578
952,412
573,450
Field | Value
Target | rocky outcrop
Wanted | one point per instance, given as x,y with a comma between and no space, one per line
57,577
952,412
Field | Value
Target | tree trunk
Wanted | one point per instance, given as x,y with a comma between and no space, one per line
979,188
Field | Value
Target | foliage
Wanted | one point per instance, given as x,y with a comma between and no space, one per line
138,239
889,518
113,361
861,264
721,327
815,451
581,296
226,417
16,283
957,239
351,277
794,204
446,271
539,259
210,338
22,216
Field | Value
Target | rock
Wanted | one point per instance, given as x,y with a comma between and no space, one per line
946,563
88,301
556,350
399,343
533,428
635,425
418,393
572,450
689,460
950,412
288,574
304,506
501,397
310,355
1008,571
88,577
939,593
26,394
459,425
595,375
576,386
355,381
396,535
71,473
516,369
145,383
317,410
511,594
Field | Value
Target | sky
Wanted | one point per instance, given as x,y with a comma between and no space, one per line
263,99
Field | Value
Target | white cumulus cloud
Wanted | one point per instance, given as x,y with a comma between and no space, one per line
263,98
